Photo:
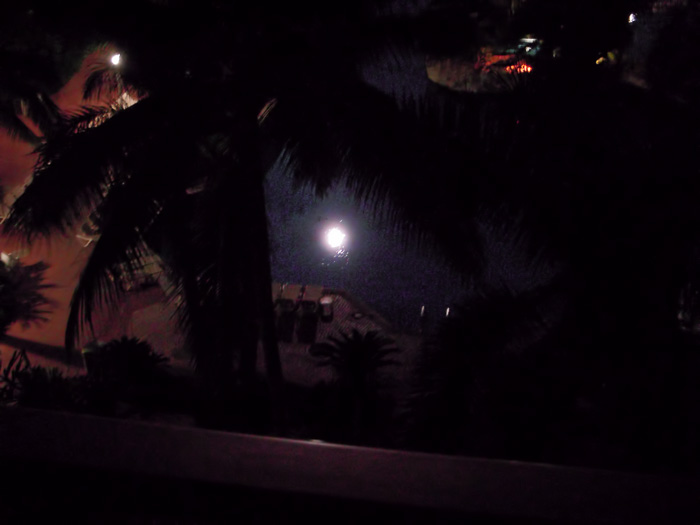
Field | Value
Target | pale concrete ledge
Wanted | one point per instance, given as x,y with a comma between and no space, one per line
349,476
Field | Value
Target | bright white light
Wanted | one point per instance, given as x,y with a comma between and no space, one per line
335,238
116,59
632,18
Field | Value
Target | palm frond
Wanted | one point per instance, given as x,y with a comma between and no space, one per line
126,214
76,166
187,236
177,239
102,79
170,237
387,155
116,256
356,355
41,110
14,126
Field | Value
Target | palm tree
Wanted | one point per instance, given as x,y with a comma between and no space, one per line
223,89
356,358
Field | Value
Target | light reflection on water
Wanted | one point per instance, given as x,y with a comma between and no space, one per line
339,259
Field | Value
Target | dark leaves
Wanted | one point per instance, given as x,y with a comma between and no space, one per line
22,294
356,357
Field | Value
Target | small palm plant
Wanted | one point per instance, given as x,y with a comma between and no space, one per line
126,360
356,358
22,294
125,374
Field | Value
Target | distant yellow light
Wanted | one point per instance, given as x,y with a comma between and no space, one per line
600,60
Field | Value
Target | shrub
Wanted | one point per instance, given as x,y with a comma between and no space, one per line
125,361
125,377
38,387
356,359
21,294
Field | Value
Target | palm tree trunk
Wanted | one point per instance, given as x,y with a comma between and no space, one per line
261,271
227,314
273,365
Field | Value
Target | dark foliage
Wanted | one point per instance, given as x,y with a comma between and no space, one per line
126,379
539,376
127,371
11,375
22,294
48,388
125,360
485,383
356,359
38,387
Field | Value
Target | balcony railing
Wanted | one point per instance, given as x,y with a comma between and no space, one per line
81,468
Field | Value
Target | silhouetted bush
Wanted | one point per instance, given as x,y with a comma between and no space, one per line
129,379
21,294
38,387
125,361
356,358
